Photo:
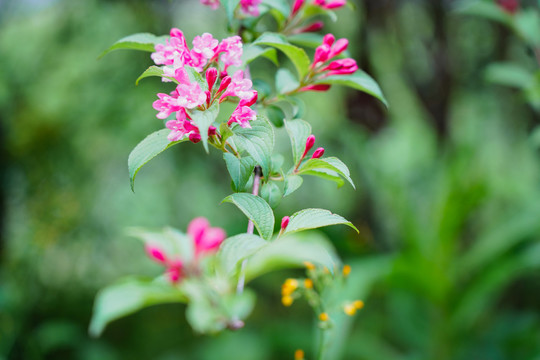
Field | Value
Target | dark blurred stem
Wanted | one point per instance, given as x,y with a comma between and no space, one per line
256,185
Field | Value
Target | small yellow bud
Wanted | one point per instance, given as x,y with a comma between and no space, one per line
346,270
299,355
308,284
324,316
289,286
287,300
309,265
358,304
349,309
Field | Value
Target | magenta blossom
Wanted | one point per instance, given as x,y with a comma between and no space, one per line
332,4
214,4
239,86
230,50
205,238
250,7
242,115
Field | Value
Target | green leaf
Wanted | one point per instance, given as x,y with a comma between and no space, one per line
297,55
129,296
141,41
527,25
331,163
257,210
509,74
282,6
239,169
285,81
170,240
292,183
195,76
314,218
203,119
298,130
277,162
153,145
230,6
272,194
488,10
310,40
310,10
153,71
292,251
327,175
252,52
359,81
257,141
275,115
237,248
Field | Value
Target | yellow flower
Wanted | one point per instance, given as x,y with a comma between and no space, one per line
358,304
346,270
289,286
287,300
309,265
299,355
308,284
349,309
324,316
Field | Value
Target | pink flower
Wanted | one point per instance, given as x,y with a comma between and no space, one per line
204,48
318,153
341,67
230,50
214,4
239,87
180,127
313,27
205,238
166,105
174,267
297,5
189,95
174,52
250,7
242,115
325,4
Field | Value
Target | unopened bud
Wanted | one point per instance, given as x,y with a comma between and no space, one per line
313,27
335,4
317,87
212,131
509,6
285,222
318,153
322,53
310,141
175,32
208,97
296,6
225,82
194,137
329,39
156,254
339,47
211,77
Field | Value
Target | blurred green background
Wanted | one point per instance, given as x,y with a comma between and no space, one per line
448,187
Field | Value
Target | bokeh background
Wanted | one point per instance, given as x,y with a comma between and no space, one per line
448,185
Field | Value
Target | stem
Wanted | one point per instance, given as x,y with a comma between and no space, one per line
256,185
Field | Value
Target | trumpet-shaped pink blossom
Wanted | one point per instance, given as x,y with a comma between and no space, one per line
242,115
205,238
332,4
239,87
230,50
166,105
173,52
250,7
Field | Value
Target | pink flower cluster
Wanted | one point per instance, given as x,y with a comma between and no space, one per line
206,240
248,7
325,65
212,58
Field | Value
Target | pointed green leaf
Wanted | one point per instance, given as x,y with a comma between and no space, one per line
327,175
196,77
237,248
230,6
142,41
203,119
285,81
292,251
509,74
146,150
153,71
257,141
314,218
239,169
298,130
310,40
257,210
272,194
359,81
129,296
292,183
282,6
330,163
310,10
252,52
297,55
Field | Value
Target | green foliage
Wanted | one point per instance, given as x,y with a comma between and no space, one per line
359,81
326,166
314,218
297,55
236,248
298,130
204,119
239,169
142,41
257,141
252,52
153,145
257,210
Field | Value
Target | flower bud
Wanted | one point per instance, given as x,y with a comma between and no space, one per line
328,39
211,77
156,254
208,97
509,6
324,316
225,82
175,32
285,222
318,153
335,4
317,87
322,53
211,131
310,141
194,137
296,6
313,27
339,47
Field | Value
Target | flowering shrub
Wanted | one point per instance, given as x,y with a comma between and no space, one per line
204,268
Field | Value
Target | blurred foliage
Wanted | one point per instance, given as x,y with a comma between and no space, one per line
448,186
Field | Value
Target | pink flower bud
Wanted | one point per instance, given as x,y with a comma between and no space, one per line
317,87
175,274
339,47
211,77
318,153
208,95
321,54
251,101
225,82
328,39
310,141
335,4
211,131
297,5
285,222
194,137
313,27
156,253
509,6
175,32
